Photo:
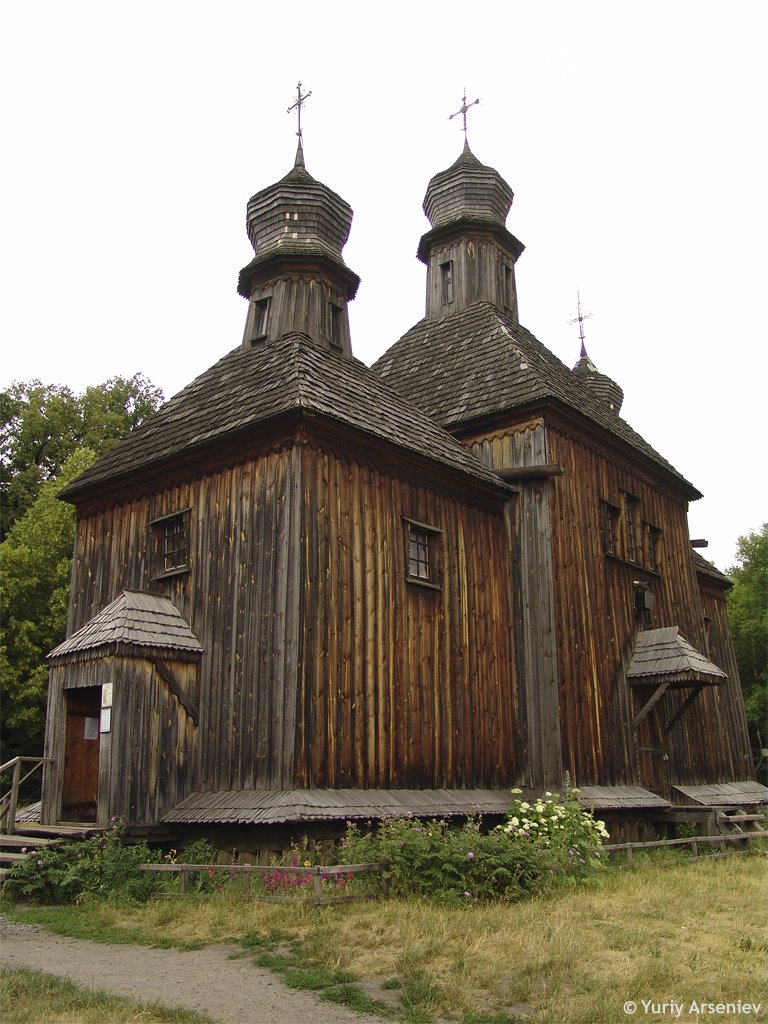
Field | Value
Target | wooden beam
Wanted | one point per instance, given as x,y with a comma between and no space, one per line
682,709
513,474
165,673
658,693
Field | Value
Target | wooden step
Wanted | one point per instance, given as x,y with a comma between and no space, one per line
19,840
59,831
11,858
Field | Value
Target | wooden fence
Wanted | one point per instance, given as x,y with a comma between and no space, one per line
317,875
692,841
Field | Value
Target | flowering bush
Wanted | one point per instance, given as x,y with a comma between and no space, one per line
539,843
100,867
441,860
558,824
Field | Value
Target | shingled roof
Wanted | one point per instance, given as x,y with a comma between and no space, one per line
253,386
137,619
479,363
274,806
664,655
710,571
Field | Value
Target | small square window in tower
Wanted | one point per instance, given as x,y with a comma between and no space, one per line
422,553
334,326
170,545
260,318
446,282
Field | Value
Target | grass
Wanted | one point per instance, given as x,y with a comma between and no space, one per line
663,930
31,997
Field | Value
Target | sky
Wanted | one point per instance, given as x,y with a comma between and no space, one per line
633,135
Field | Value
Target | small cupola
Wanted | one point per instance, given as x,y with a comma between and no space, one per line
601,387
298,280
469,253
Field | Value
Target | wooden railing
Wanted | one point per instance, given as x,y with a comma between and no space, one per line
318,874
691,841
9,800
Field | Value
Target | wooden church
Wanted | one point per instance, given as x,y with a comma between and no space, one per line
307,591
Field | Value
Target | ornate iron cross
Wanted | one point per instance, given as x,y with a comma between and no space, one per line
297,105
463,111
580,321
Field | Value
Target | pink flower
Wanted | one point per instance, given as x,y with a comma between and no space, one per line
470,856
39,863
23,849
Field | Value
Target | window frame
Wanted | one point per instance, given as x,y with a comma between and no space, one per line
431,536
447,290
159,535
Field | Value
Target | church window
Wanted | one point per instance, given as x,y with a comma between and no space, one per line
509,287
170,544
652,544
422,553
446,282
630,527
334,325
610,527
260,318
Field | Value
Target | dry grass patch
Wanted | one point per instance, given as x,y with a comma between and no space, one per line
661,931
31,997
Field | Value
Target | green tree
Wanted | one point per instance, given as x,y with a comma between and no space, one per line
748,616
41,425
35,567
48,436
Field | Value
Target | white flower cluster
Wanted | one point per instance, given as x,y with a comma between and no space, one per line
549,820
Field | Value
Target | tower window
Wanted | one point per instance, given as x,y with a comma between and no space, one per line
334,325
170,544
509,287
422,554
260,318
446,282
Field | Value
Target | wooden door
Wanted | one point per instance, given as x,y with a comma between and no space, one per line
81,756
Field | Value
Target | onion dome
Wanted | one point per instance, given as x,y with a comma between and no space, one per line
467,190
598,384
297,217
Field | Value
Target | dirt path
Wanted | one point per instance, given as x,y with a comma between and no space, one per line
231,991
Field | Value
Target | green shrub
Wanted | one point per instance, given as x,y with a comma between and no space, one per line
99,867
539,844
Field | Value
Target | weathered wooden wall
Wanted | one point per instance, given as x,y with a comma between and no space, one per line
526,445
729,697
321,664
594,597
482,271
402,685
148,760
577,621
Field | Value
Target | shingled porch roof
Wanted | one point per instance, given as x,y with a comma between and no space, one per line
479,363
137,619
249,387
664,655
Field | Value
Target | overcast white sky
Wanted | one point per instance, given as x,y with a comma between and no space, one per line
633,135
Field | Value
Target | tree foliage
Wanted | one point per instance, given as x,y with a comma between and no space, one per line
748,616
41,425
48,437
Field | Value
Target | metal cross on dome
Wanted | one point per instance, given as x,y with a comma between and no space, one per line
579,319
297,105
463,111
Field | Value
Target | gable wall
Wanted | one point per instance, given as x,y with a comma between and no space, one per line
321,665
594,597
402,685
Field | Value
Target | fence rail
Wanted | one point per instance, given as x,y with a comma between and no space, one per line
9,800
318,874
692,841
